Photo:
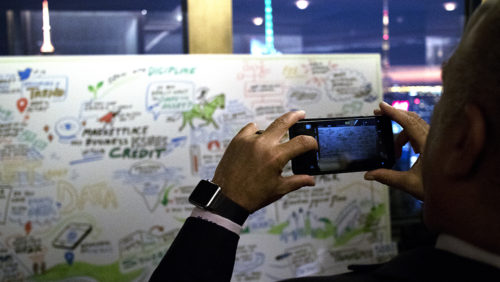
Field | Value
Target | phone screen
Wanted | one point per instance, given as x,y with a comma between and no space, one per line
345,145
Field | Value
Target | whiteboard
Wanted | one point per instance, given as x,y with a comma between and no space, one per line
98,155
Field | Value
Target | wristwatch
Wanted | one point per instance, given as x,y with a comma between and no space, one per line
208,196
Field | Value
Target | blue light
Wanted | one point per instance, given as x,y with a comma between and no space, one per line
396,128
269,32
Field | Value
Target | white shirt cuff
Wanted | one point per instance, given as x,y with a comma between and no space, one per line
464,249
217,219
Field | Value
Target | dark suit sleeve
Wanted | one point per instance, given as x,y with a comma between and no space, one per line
202,251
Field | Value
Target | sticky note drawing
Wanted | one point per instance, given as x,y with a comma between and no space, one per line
98,159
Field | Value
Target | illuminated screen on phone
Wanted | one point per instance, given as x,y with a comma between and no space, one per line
341,146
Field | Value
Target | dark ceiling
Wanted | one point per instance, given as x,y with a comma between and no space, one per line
342,24
81,5
362,13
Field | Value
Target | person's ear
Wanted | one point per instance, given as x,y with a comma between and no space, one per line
467,143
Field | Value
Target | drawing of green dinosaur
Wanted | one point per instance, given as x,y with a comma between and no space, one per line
204,111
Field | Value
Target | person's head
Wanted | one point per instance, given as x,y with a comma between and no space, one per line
461,164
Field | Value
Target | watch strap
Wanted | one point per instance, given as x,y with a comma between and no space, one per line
209,196
225,207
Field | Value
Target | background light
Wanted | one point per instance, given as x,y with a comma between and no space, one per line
385,17
144,12
302,4
258,21
413,159
450,6
401,105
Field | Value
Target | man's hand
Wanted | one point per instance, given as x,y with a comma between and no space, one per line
415,131
249,173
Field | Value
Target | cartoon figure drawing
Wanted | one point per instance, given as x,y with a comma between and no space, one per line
202,97
204,111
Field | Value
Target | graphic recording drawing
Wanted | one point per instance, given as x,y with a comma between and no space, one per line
169,97
345,85
48,88
25,74
72,235
5,192
150,180
204,112
98,157
67,128
94,89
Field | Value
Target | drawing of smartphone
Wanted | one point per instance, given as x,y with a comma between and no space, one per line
345,144
72,235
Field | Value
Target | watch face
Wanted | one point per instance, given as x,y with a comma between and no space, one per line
203,193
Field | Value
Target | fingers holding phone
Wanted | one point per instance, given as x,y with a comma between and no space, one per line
249,172
415,131
345,144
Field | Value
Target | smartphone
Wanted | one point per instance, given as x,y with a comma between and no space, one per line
345,144
72,235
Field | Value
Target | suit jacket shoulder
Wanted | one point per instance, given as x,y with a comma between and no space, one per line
431,264
423,264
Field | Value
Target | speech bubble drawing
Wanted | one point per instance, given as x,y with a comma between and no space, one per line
303,95
346,85
9,83
267,112
263,89
38,210
169,97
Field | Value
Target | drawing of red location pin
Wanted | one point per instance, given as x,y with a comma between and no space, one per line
22,103
27,227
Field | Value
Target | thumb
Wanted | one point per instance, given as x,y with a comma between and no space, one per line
294,182
402,180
